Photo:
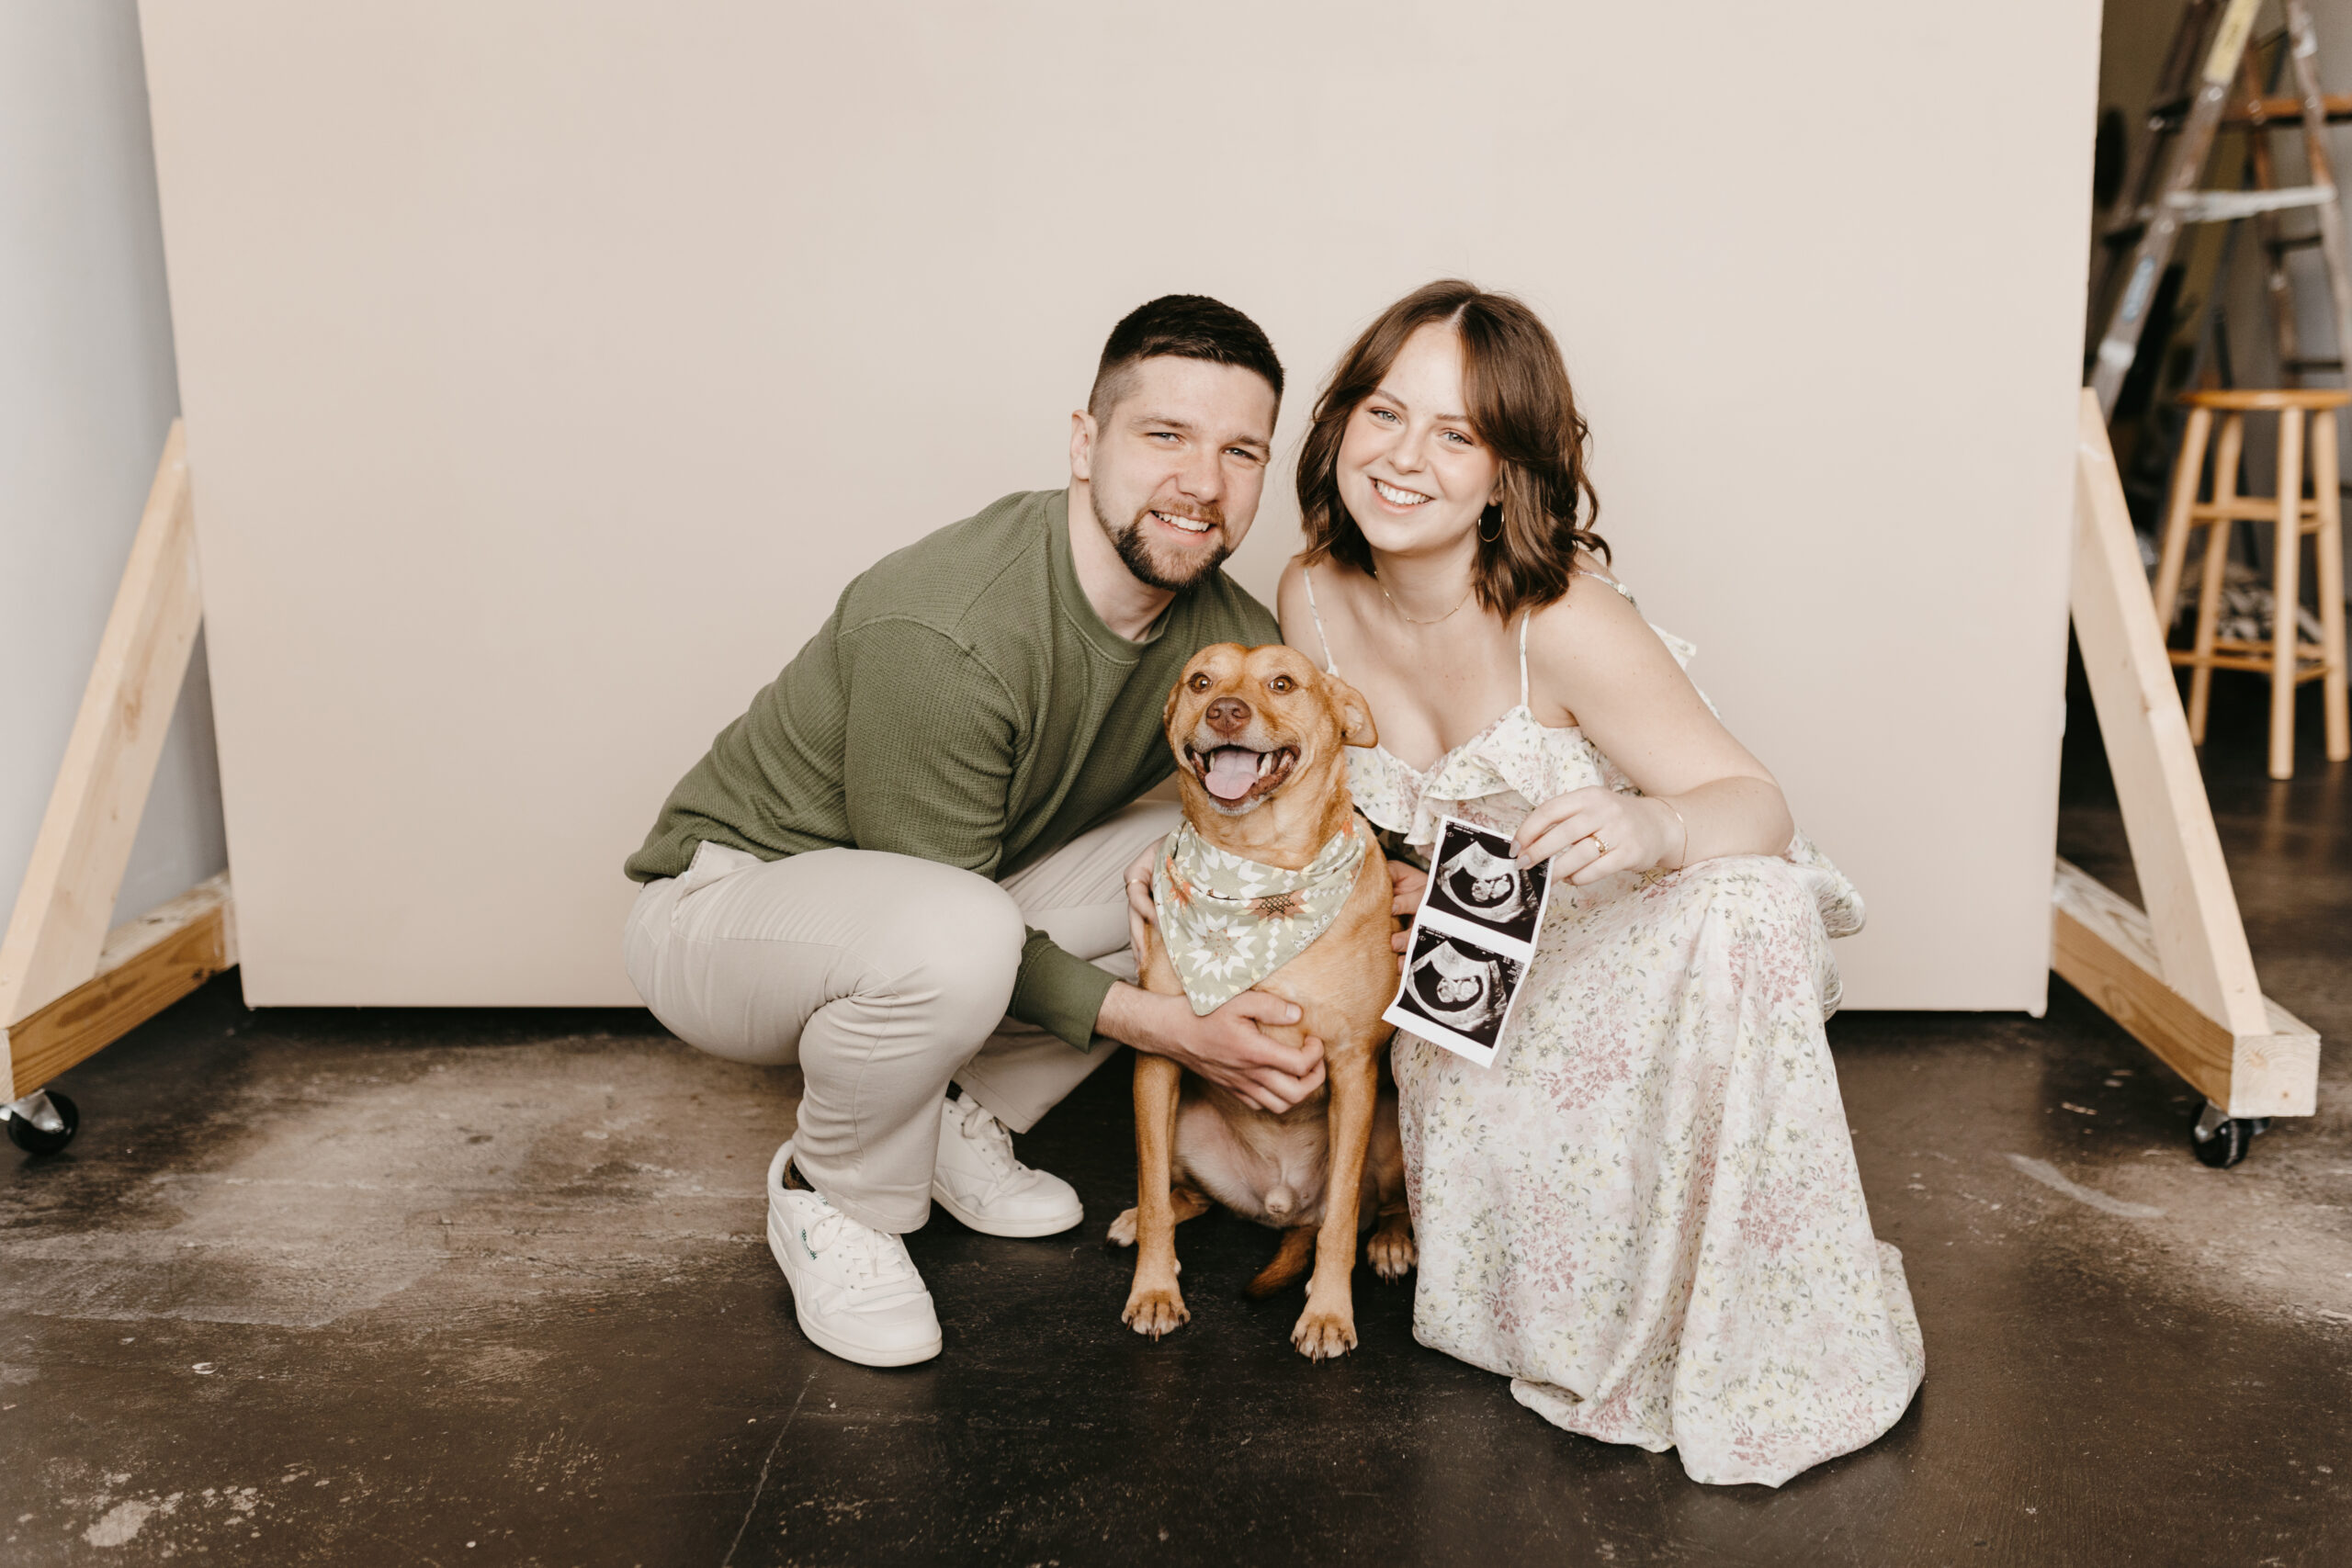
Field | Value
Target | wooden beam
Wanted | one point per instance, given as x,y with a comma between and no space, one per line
2282,109
2180,977
59,928
2102,946
2196,932
146,965
2285,110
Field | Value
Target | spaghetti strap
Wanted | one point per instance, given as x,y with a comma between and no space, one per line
1611,582
1330,665
1525,616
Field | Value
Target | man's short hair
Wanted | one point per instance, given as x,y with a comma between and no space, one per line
1181,326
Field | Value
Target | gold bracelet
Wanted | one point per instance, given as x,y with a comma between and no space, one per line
1682,858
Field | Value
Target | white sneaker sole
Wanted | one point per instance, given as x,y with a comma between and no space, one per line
824,1339
1053,1224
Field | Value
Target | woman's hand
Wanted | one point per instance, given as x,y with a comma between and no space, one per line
1142,916
1409,883
1598,832
1139,874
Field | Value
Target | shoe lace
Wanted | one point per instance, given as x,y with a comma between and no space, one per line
869,1257
986,1134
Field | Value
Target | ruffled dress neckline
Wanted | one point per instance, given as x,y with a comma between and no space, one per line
1513,755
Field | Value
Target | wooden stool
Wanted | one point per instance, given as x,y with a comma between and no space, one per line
2288,661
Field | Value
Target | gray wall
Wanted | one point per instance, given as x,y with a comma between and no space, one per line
88,389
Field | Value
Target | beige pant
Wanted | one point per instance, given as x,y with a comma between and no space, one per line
886,978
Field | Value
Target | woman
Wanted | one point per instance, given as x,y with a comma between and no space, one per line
1647,1213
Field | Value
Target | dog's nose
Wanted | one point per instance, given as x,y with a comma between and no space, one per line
1228,715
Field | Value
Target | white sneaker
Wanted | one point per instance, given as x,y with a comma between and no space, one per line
980,1182
854,1288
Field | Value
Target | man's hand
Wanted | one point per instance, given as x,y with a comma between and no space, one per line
1227,1047
1410,883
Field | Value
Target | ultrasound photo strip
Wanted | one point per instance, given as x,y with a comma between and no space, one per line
1463,973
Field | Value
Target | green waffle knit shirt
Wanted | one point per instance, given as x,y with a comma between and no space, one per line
963,703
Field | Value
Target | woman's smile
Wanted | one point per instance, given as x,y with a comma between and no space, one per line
1398,497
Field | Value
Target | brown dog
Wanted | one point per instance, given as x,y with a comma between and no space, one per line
1260,736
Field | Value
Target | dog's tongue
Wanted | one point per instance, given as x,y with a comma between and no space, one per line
1232,770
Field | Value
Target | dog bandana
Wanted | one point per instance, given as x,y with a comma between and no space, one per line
1229,922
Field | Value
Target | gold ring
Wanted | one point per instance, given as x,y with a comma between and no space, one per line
1602,842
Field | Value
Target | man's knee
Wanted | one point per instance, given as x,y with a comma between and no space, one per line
957,941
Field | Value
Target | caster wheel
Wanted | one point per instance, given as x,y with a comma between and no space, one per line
33,1140
2220,1140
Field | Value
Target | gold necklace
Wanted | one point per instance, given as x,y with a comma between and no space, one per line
1409,621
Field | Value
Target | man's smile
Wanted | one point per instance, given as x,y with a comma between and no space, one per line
1184,524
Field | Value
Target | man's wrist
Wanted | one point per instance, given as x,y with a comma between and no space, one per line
1126,1016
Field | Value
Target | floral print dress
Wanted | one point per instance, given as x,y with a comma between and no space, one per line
1647,1213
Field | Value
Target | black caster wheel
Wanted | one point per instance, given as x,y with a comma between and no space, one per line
33,1140
2220,1140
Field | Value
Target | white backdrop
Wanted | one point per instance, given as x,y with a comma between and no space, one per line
549,365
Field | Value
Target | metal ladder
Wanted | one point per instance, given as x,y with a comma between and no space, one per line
2209,54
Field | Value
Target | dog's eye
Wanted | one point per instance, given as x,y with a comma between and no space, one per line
1281,683
1199,682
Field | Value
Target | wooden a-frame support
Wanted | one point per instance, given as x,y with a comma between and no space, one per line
68,985
2180,977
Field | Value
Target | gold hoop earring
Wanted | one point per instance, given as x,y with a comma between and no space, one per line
1495,511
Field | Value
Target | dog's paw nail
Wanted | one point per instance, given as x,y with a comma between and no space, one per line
1155,1313
1321,1338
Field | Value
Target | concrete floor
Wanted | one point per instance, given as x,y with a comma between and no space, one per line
450,1288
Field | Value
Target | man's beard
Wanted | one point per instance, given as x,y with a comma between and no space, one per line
1137,553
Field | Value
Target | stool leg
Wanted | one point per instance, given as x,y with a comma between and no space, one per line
2186,475
2217,555
2325,479
2287,588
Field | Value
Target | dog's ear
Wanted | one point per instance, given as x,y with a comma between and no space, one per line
1167,713
1354,713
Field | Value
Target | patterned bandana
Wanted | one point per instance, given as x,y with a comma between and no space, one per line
1229,922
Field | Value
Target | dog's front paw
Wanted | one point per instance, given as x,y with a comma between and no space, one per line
1392,1252
1323,1335
1123,1230
1154,1310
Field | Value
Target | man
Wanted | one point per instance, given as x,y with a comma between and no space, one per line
921,826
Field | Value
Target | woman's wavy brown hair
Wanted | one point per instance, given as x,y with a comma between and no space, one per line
1521,405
